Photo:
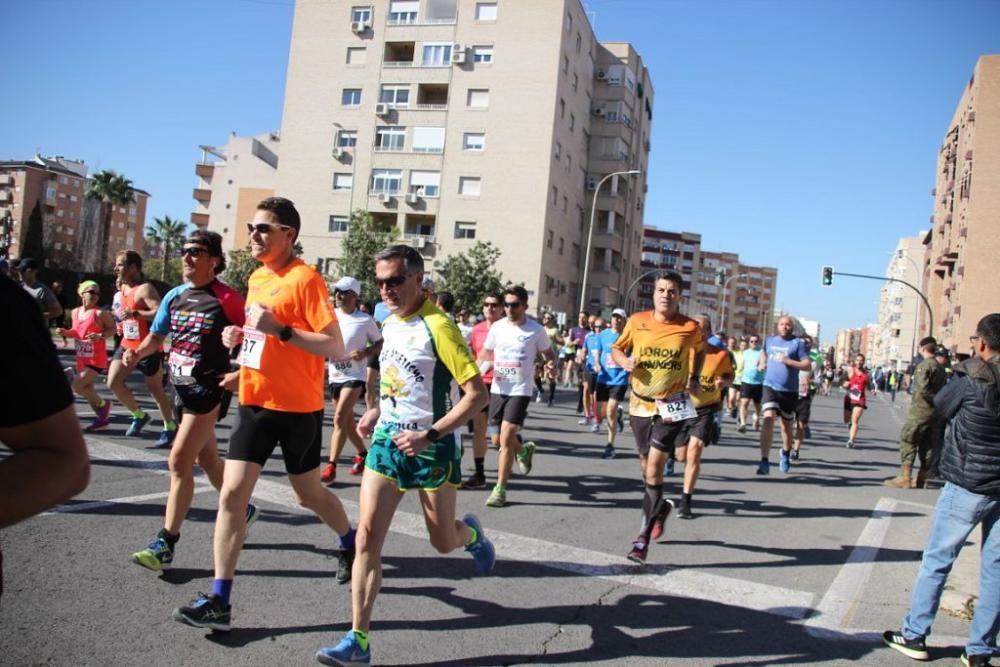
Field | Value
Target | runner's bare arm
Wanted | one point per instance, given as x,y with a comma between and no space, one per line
472,403
150,300
150,344
622,359
325,343
107,324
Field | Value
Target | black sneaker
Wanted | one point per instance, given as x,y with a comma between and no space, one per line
975,660
345,563
911,648
684,511
205,612
473,482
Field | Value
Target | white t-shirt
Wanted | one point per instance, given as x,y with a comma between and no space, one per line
358,330
514,350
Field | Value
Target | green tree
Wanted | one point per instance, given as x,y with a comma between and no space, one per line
470,275
167,234
111,189
34,244
240,264
168,270
364,238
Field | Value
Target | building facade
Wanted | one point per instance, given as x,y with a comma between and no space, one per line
963,245
900,307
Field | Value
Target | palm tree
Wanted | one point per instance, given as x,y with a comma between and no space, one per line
111,189
168,234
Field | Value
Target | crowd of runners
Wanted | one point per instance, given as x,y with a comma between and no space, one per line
405,383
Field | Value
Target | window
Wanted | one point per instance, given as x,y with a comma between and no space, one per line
562,244
473,141
569,22
565,205
62,212
63,180
548,239
388,138
363,14
425,183
470,186
555,196
343,181
576,81
338,224
558,151
351,97
572,122
428,140
347,138
403,12
486,11
565,65
482,54
465,230
478,98
579,41
397,96
386,181
436,54
357,55
562,108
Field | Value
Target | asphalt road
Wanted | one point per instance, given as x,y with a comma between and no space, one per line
801,568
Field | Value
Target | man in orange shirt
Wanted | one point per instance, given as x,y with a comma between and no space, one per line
290,329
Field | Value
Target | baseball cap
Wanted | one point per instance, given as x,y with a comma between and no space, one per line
347,284
620,312
27,264
941,351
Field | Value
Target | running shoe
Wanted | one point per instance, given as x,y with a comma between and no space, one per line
525,456
764,468
166,438
595,427
253,512
135,428
157,556
329,473
638,552
621,419
661,518
795,455
850,444
97,424
482,549
205,612
684,511
734,413
473,482
582,421
498,498
742,428
538,398
785,463
357,465
347,653
668,470
975,660
911,648
609,452
345,563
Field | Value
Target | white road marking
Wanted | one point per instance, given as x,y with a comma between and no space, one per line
127,500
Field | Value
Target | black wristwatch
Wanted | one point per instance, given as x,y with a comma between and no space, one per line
433,435
285,334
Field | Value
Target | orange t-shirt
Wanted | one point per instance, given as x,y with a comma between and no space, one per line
662,355
288,379
717,363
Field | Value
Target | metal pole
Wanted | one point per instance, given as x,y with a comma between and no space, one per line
590,232
930,313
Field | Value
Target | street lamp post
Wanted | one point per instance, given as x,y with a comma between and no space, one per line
722,317
590,232
916,310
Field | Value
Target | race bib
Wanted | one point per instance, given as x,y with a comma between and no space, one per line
85,349
676,408
854,394
181,368
253,348
341,365
130,329
507,370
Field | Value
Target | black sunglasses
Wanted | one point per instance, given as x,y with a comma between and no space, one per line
264,227
391,281
511,304
193,251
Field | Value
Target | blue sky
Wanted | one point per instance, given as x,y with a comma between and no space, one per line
797,133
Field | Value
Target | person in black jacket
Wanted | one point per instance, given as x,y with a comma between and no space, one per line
970,466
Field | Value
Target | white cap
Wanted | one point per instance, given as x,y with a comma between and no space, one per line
620,313
347,284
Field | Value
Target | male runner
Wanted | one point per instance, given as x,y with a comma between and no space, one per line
578,335
664,352
289,330
193,315
139,304
783,358
752,387
480,423
362,340
612,380
733,393
592,348
413,446
515,342
803,405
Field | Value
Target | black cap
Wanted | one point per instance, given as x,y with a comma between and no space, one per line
928,340
941,351
27,263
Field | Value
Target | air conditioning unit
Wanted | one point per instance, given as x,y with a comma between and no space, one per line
458,57
598,111
601,74
338,152
591,184
382,109
359,26
412,198
457,48
385,197
418,242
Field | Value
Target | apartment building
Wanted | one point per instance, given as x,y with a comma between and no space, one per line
963,246
899,306
849,343
458,121
740,297
71,225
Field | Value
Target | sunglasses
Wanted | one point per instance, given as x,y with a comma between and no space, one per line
511,304
491,304
264,227
391,281
193,251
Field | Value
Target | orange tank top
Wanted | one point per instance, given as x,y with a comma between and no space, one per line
89,352
134,329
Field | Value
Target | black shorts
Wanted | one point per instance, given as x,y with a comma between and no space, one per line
197,398
654,432
511,409
849,405
569,356
701,427
591,379
373,363
257,431
149,366
752,392
784,402
611,391
350,384
486,409
803,407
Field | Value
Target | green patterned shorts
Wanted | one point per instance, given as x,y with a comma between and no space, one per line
434,467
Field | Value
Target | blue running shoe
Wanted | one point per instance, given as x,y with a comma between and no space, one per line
764,468
669,468
135,428
252,513
345,654
785,463
482,549
166,438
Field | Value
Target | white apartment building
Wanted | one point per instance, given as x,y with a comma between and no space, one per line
899,306
459,121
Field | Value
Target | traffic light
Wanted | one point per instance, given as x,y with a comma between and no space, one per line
827,276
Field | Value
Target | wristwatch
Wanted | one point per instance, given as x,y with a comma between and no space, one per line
433,435
285,334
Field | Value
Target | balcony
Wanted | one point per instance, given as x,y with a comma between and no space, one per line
202,195
199,219
204,170
398,54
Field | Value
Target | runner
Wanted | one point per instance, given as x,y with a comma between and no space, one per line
664,352
592,349
803,406
579,335
567,355
480,423
556,341
193,315
414,445
612,380
139,304
701,431
828,375
289,330
783,358
362,340
91,328
752,387
736,348
855,402
515,342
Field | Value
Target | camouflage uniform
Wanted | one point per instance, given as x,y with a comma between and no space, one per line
923,432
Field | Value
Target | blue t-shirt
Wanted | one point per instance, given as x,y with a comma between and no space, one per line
611,373
750,373
591,344
779,376
381,312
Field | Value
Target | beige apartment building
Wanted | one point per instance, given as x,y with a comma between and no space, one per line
458,121
898,333
963,246
71,225
739,297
